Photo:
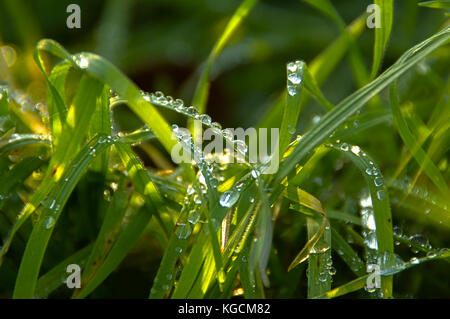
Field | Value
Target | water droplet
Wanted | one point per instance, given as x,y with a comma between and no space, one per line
294,78
179,250
323,276
292,90
356,150
292,67
169,277
229,198
216,125
420,241
194,217
381,195
178,104
414,260
49,222
344,147
183,231
431,254
192,110
378,181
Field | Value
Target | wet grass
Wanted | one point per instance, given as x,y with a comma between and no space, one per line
363,183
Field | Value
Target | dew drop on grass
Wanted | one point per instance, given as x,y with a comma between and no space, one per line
241,146
82,62
344,147
294,78
205,119
229,198
49,222
332,271
378,181
183,231
381,195
192,110
292,90
420,241
255,173
292,67
414,260
194,217
179,250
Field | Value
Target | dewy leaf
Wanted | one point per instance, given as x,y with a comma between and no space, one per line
137,223
382,33
379,236
437,4
333,119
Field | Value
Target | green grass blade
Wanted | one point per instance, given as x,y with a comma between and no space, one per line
137,223
119,83
437,4
382,34
54,278
381,212
351,104
360,282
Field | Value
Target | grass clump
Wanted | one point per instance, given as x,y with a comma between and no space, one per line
79,188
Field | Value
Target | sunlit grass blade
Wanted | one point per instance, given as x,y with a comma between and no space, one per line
305,199
119,83
291,110
382,228
201,93
71,139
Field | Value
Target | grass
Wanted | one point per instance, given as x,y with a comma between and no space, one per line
79,188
